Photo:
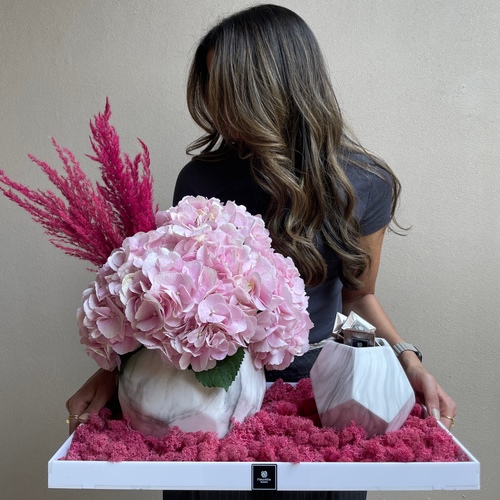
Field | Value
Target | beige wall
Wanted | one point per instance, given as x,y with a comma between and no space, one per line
418,80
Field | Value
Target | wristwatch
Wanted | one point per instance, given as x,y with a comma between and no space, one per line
405,346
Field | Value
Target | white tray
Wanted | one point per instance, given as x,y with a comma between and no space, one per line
365,476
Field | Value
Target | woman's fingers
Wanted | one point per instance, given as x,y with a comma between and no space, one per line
447,408
430,393
438,403
91,397
76,406
430,396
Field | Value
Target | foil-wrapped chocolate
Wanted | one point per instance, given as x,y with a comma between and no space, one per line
353,330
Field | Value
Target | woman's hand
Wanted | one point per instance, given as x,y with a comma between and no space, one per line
363,302
428,391
91,397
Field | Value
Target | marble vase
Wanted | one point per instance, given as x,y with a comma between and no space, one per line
366,385
156,396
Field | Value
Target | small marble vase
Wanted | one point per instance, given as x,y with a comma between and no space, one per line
156,396
366,385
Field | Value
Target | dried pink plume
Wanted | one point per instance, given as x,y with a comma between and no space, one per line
89,221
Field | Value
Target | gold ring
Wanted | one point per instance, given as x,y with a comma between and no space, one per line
72,417
449,418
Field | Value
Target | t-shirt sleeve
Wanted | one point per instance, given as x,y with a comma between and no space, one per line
377,204
373,191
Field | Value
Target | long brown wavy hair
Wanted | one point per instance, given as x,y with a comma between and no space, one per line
268,91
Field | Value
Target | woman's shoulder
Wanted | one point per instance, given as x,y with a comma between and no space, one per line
363,170
373,187
224,160
222,176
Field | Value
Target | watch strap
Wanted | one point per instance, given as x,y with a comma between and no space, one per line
405,346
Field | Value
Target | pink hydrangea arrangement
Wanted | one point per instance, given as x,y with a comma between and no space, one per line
202,286
199,282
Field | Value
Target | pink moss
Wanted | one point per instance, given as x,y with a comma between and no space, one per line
284,430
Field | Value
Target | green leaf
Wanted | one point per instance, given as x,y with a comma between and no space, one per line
223,373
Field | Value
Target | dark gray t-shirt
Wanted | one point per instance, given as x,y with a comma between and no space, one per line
230,179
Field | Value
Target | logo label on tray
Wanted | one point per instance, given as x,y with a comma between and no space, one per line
264,477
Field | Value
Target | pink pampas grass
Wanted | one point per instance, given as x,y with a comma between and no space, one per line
89,221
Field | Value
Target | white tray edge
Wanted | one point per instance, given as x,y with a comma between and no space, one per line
317,476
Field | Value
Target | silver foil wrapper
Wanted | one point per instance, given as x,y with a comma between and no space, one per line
353,330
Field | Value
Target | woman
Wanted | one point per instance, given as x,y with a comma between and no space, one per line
275,142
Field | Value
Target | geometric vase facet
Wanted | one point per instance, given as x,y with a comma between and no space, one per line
156,396
366,385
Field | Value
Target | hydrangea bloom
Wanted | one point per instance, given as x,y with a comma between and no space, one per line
201,285
197,284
